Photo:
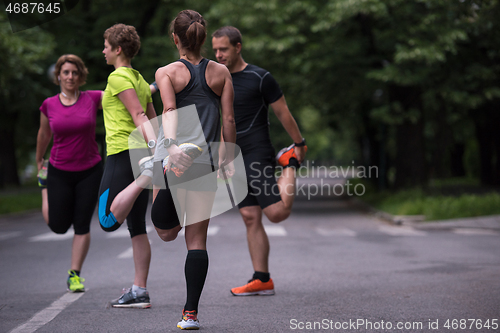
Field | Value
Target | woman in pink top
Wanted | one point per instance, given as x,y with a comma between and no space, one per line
75,167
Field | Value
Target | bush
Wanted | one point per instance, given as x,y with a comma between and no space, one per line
19,202
435,205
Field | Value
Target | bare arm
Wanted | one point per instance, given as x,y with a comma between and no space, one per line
131,101
153,87
167,93
228,124
284,115
43,139
100,101
170,118
153,119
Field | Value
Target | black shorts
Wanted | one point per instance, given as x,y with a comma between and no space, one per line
118,174
193,179
72,198
262,187
198,177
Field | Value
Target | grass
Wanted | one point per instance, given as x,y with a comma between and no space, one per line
20,201
439,201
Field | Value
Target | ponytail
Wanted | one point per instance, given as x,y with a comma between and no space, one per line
190,28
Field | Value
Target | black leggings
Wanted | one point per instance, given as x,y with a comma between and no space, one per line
117,176
72,198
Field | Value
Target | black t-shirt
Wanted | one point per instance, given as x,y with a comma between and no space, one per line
254,89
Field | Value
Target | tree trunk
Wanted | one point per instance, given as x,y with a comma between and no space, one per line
8,161
411,169
457,160
487,123
442,140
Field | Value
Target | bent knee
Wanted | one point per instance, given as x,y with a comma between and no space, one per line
58,229
277,218
167,235
108,223
277,214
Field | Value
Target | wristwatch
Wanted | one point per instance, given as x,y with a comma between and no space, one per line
151,144
168,142
301,144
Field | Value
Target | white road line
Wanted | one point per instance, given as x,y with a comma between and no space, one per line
212,230
47,314
128,253
401,231
474,231
275,230
50,236
336,232
124,233
8,235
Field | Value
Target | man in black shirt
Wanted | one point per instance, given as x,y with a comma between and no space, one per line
254,91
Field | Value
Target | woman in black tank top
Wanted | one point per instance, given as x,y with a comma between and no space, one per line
193,90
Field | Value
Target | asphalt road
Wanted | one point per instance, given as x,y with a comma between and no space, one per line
335,269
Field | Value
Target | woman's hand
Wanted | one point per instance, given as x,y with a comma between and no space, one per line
39,164
178,158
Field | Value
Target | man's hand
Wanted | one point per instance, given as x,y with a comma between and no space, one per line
301,153
226,170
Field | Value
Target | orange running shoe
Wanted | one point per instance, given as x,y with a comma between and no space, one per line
255,287
285,154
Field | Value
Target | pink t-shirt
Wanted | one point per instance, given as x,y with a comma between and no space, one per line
73,129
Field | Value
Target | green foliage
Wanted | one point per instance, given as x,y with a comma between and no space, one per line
20,202
22,69
21,53
343,65
441,200
442,207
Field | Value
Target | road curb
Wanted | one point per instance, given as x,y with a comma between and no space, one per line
491,222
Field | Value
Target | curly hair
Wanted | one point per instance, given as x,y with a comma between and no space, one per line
124,36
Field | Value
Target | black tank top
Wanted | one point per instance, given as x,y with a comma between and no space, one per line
205,132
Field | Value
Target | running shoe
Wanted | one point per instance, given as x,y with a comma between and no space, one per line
286,154
75,282
42,175
146,166
189,321
130,299
189,149
255,287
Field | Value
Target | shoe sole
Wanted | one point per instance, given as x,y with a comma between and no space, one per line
76,290
191,149
256,293
188,328
144,161
132,306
